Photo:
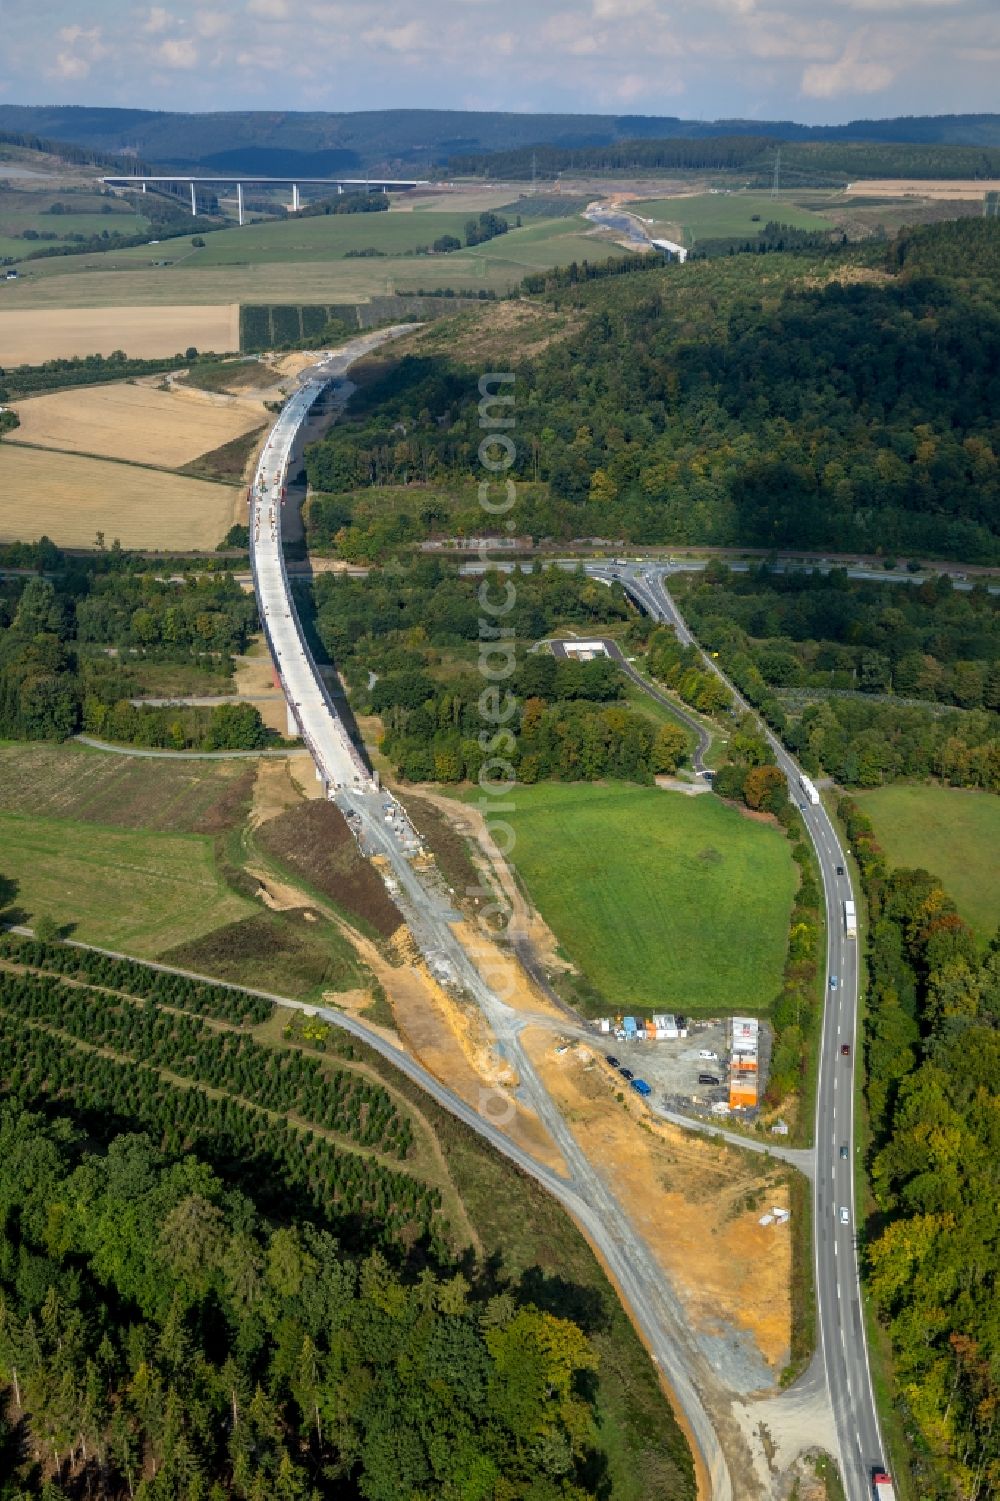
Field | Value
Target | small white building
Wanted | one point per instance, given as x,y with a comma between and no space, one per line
666,1027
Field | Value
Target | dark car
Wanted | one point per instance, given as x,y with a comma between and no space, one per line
840,870
612,1060
845,1050
843,1150
627,1073
707,1079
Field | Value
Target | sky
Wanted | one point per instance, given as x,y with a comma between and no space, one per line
810,60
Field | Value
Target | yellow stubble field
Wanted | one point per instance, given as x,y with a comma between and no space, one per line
70,499
922,187
29,336
139,423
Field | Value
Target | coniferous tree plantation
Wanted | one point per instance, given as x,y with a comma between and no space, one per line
199,1299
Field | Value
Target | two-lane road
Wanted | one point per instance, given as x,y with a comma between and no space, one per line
841,1321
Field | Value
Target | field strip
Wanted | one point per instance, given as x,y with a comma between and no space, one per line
70,499
101,458
140,423
29,336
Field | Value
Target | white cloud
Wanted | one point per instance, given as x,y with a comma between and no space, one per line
409,37
178,52
212,23
268,10
615,10
908,6
68,65
853,72
157,20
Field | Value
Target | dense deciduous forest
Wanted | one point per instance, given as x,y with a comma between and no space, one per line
716,403
417,632
931,1258
865,682
72,651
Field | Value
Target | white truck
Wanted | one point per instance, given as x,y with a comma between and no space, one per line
850,919
882,1486
808,789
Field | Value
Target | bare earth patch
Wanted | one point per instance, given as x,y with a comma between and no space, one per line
30,336
140,423
313,841
688,1197
254,681
69,499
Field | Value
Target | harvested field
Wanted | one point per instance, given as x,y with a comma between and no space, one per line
31,336
125,792
69,499
142,423
232,462
315,844
922,187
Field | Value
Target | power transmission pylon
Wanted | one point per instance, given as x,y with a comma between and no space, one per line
776,180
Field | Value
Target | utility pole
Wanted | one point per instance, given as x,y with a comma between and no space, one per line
776,180
534,170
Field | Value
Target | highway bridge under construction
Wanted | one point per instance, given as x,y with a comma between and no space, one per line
833,1403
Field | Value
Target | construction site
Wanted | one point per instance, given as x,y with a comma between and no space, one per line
714,1067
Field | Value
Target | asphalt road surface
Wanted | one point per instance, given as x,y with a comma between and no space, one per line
842,1335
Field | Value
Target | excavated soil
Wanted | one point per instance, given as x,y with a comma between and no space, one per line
689,1197
313,841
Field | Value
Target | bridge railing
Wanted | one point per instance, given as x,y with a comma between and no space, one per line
314,389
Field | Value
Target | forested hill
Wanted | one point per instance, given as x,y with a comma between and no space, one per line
802,162
847,401
320,142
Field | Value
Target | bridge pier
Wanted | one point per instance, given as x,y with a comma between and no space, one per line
194,202
239,202
292,727
295,198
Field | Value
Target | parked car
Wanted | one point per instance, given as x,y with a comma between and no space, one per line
707,1053
845,1218
627,1073
845,1050
641,1087
613,1060
707,1079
